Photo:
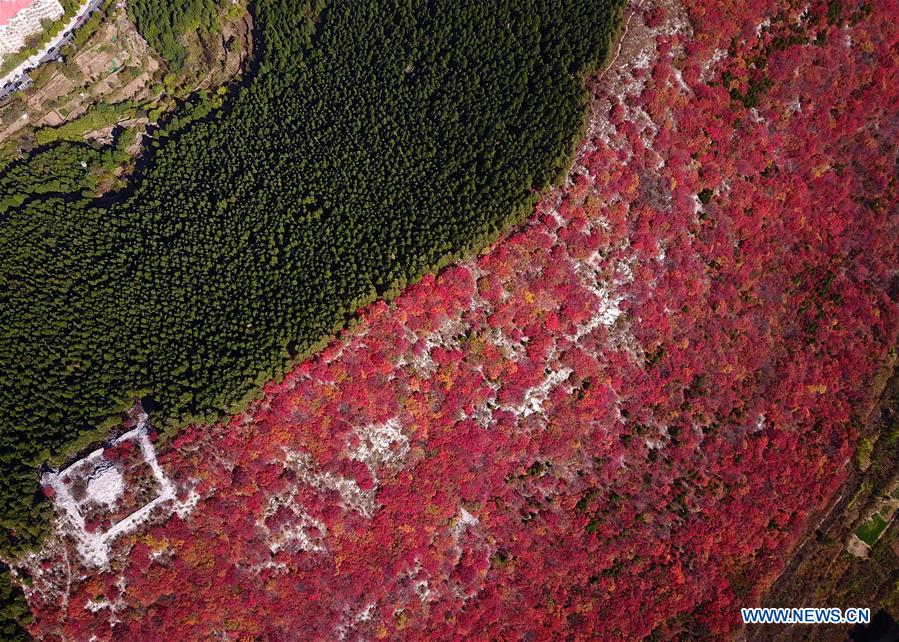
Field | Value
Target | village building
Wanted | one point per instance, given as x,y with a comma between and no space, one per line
30,17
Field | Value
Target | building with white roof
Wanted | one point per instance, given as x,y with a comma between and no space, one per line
27,20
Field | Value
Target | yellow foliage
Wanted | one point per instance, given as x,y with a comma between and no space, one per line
819,170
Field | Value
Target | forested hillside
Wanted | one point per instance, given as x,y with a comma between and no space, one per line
615,425
374,142
164,24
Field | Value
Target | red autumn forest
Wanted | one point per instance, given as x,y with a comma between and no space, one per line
612,424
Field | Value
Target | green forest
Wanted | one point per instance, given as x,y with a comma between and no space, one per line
163,24
371,143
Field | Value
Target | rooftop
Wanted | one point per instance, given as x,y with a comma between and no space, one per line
9,8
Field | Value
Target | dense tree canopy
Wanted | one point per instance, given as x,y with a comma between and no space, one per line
372,143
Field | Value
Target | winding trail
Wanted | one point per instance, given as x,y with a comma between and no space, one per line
621,38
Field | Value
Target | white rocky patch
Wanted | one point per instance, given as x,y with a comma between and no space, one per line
93,606
380,445
608,300
352,620
759,424
423,590
307,534
444,336
466,519
351,495
512,350
535,397
717,56
679,77
105,486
